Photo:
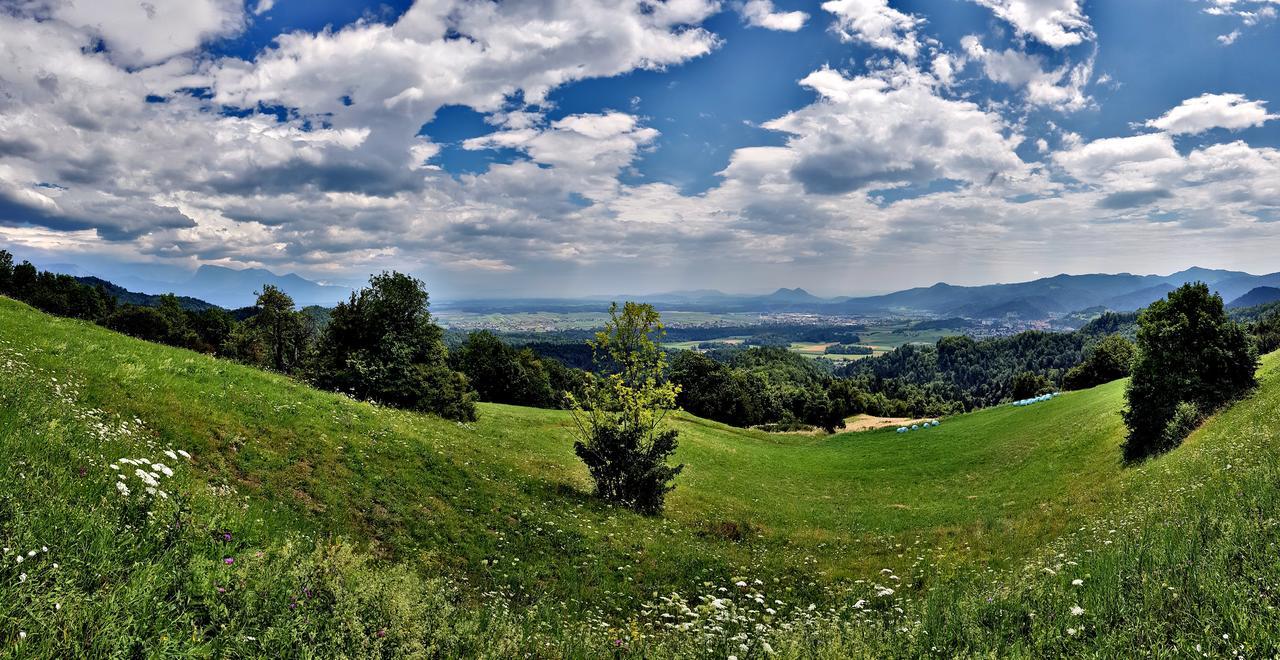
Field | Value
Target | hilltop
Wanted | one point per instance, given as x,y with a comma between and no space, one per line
438,520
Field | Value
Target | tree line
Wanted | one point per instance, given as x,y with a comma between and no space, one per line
380,345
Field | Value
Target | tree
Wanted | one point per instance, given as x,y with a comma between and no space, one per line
1108,360
501,373
1267,331
24,280
281,329
1189,352
621,434
383,345
6,272
1027,384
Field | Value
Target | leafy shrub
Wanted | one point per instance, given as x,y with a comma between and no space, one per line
1186,417
621,435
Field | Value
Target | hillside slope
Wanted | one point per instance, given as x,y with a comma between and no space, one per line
494,513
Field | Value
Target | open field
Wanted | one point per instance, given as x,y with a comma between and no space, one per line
437,519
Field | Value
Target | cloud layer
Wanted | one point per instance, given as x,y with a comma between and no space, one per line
120,132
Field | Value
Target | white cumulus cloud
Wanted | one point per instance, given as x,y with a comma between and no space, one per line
762,13
1209,111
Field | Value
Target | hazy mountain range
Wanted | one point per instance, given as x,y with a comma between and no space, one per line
1037,299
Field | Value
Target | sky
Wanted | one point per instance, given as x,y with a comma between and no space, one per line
580,147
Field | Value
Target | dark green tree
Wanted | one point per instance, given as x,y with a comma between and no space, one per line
6,272
620,423
501,373
1105,361
1190,353
383,345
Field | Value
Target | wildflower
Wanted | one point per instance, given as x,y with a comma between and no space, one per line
767,649
1076,610
170,454
184,454
1071,631
228,560
22,577
1077,582
124,490
20,559
22,634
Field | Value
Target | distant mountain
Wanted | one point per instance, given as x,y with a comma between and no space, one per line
796,295
125,296
1257,296
1207,275
1234,287
1129,302
232,288
1024,309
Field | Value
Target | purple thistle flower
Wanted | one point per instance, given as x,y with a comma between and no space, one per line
228,561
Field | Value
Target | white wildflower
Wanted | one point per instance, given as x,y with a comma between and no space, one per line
1076,610
184,454
124,490
1077,582
170,453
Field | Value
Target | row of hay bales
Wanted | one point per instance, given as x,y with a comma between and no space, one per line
1037,399
917,427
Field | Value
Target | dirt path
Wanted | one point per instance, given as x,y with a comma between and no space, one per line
868,422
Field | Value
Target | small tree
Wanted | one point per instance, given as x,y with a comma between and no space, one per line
620,421
1190,353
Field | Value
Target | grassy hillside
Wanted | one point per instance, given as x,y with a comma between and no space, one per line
381,531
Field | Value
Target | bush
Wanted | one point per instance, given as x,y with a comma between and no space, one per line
620,424
1188,352
1186,417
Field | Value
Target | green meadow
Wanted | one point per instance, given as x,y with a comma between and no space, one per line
293,522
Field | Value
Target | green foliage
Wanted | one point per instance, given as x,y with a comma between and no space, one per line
848,349
1266,331
1188,352
6,272
717,391
1027,384
1104,361
275,337
620,423
383,345
503,374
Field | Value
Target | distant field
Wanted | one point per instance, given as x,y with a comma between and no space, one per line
881,338
548,321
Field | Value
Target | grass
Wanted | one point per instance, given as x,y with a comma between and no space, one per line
432,537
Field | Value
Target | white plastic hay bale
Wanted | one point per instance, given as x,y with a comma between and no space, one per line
902,429
934,422
915,427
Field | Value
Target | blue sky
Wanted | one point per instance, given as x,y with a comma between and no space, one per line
568,147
